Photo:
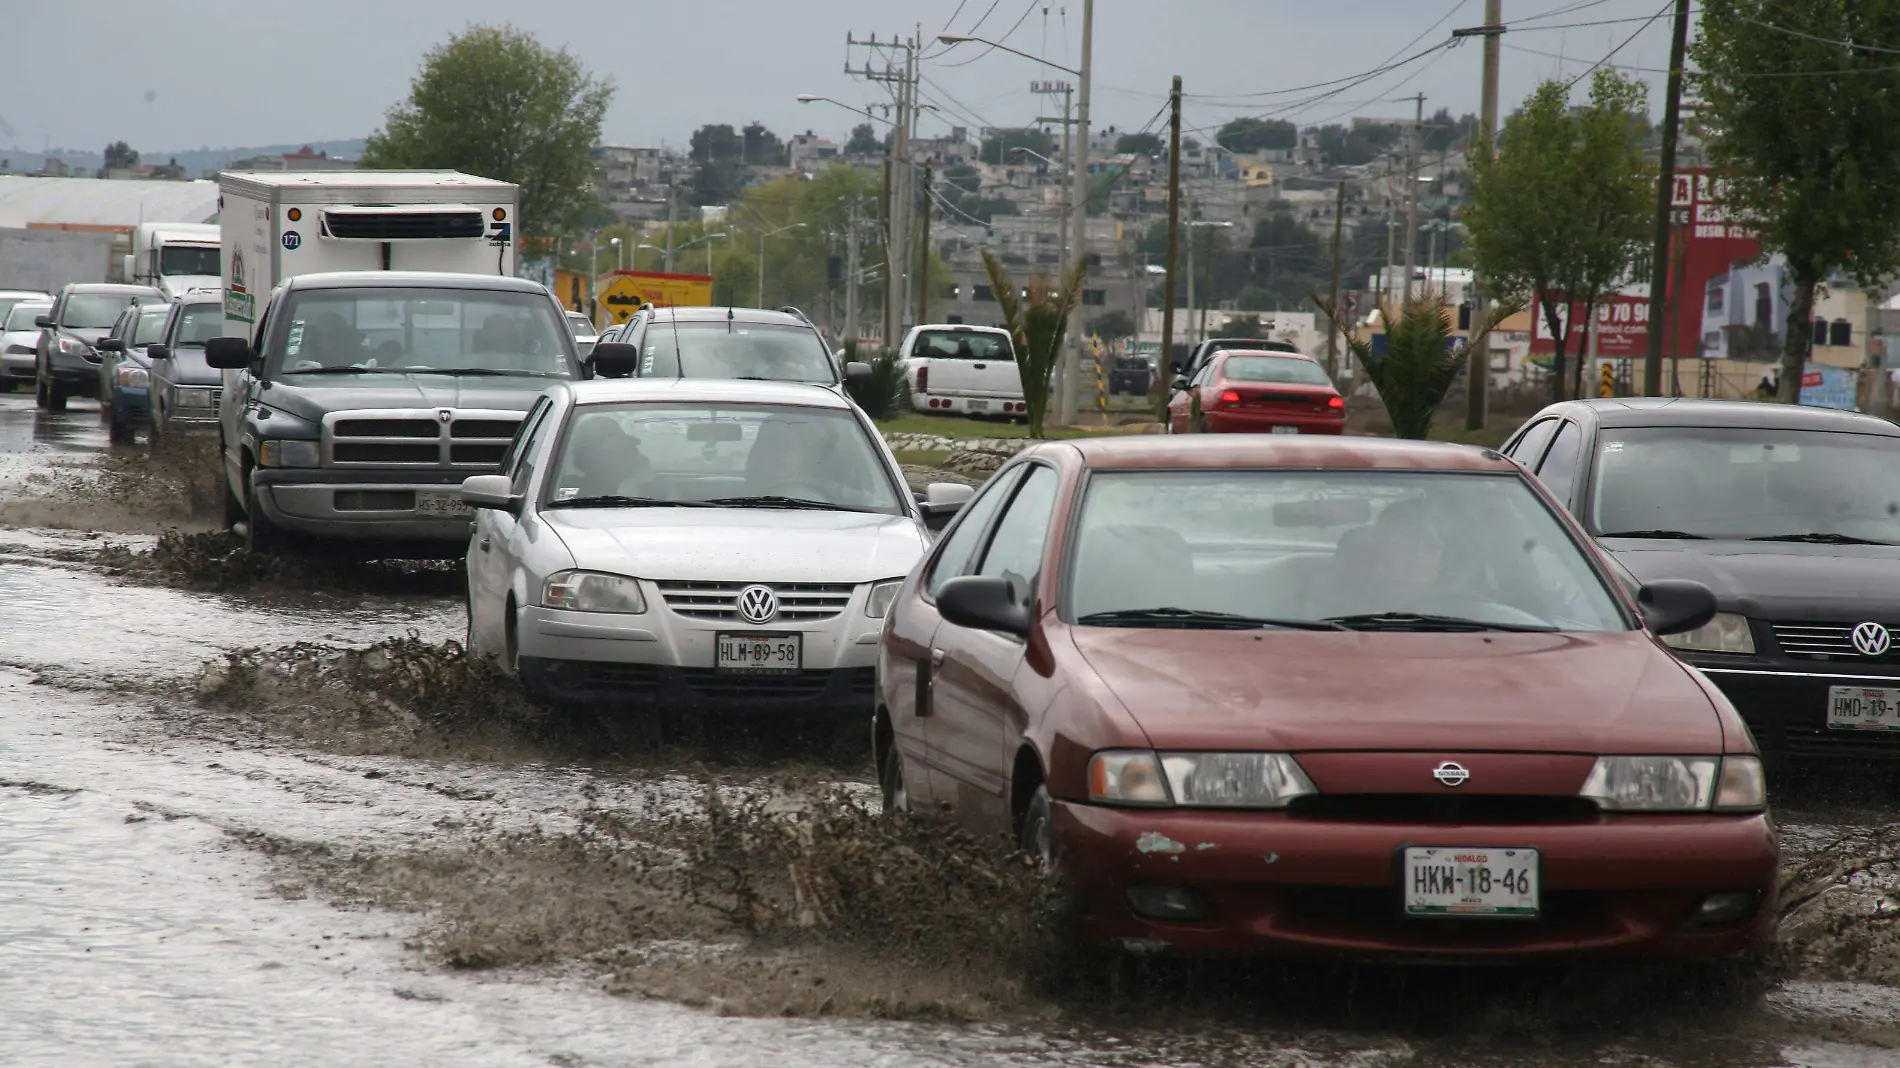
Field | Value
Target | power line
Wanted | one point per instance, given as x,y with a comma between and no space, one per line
1820,40
1666,8
1027,11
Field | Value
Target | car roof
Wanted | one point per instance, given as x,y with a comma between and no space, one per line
963,328
1277,353
1264,451
413,279
737,314
110,287
1743,415
1223,342
23,294
695,390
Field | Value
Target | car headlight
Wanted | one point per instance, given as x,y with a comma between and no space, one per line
1727,633
1235,780
1742,787
286,453
592,591
131,376
1127,777
878,604
72,346
1653,783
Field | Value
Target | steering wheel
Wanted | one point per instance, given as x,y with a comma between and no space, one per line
1468,606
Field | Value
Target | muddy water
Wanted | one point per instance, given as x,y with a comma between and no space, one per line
148,914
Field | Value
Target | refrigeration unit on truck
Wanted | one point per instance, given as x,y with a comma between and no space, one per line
378,349
174,258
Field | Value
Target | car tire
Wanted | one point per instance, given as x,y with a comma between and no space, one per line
261,536
1037,834
119,430
154,424
890,781
634,730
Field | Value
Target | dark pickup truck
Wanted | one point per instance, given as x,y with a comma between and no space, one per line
362,400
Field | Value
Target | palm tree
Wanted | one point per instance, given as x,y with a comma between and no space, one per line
1420,360
1038,324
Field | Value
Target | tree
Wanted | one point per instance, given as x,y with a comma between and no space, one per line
1421,357
1140,144
1561,210
494,101
999,146
1342,146
1112,324
763,147
1442,132
715,151
1038,325
1245,136
119,156
1810,159
864,141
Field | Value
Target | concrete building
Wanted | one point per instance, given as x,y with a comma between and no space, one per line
304,159
101,204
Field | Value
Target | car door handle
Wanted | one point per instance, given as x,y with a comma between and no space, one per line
936,658
979,366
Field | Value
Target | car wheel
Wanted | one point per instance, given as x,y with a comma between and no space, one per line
891,779
155,424
233,508
119,430
1037,837
261,536
634,729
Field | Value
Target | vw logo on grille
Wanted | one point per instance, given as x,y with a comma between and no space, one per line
1872,639
758,604
1450,774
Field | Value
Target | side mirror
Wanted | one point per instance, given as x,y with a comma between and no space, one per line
44,322
941,501
857,372
983,602
1180,383
613,359
228,353
491,491
158,351
1675,606
111,344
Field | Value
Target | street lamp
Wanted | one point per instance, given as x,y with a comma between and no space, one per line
762,237
957,39
697,240
620,254
636,253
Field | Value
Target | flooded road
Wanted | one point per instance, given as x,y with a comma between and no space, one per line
169,888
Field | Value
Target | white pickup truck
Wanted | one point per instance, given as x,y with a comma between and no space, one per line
962,370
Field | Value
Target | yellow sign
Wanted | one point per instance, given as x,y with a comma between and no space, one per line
570,288
624,291
1606,384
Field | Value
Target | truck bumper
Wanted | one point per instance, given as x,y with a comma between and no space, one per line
367,506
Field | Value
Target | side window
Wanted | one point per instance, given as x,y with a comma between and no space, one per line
960,547
1559,469
1202,376
521,453
1531,445
1015,552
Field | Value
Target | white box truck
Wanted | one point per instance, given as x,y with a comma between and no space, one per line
276,225
174,258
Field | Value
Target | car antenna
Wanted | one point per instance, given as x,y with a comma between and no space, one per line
728,318
679,358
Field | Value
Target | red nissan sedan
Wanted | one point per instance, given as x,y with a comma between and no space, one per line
1257,392
1335,696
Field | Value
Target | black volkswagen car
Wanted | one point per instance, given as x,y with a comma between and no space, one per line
1790,514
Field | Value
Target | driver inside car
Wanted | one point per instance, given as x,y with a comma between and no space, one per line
607,461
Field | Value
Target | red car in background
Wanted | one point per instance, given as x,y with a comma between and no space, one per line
1264,695
1257,391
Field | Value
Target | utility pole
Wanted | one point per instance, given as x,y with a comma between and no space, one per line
1411,197
1665,189
851,272
1164,365
1477,361
1067,121
922,284
894,63
672,216
1072,352
1332,336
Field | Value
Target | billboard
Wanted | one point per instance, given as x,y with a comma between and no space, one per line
622,292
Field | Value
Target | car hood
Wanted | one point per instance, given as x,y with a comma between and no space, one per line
90,337
740,544
188,368
1775,580
177,285
1615,692
315,395
25,339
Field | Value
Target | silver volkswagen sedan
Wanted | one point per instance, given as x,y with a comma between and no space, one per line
681,545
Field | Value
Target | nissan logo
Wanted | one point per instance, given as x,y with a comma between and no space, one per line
1872,639
758,604
1450,774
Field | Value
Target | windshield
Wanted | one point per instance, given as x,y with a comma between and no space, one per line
188,259
93,311
695,453
1746,483
23,314
1330,545
1288,369
963,345
417,330
151,325
731,349
580,326
199,323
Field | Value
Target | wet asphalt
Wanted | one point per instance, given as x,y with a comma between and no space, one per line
137,927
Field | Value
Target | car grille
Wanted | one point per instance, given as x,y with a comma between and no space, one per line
1445,808
445,437
715,686
1827,641
798,602
199,397
1822,743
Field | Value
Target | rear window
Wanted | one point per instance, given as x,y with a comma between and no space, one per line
151,324
963,345
731,348
22,315
1288,369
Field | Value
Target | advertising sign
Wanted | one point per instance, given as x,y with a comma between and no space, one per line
624,291
1830,387
1622,327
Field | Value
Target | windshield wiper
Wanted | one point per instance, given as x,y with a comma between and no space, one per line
1192,618
1426,621
1659,535
1818,538
340,371
490,372
617,501
767,500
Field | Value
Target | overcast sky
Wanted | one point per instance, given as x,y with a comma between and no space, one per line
218,73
